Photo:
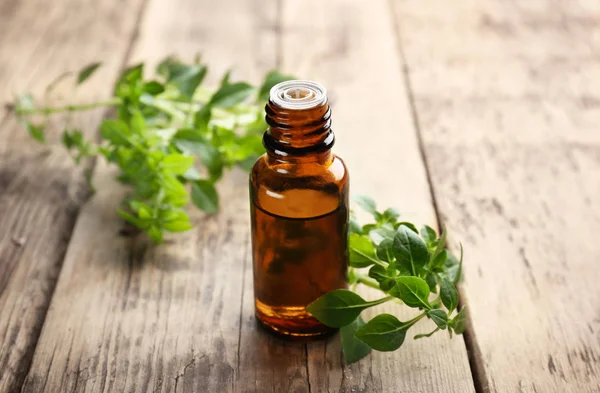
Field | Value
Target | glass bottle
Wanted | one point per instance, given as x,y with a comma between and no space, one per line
299,209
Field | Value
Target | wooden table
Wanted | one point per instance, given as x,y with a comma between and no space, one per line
483,116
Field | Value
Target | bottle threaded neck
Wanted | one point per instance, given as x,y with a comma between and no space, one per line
299,119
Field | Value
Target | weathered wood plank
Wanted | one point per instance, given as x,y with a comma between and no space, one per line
508,103
350,47
178,317
40,188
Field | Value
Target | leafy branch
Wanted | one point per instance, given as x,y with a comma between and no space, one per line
172,138
408,266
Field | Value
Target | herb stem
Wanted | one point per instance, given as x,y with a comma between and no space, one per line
368,281
416,319
68,108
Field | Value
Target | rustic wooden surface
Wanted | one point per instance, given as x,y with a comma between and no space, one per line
494,104
508,102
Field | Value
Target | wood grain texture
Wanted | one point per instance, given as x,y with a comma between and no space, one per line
350,47
178,317
40,188
508,101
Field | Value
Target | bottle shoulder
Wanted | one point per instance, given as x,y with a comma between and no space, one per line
265,169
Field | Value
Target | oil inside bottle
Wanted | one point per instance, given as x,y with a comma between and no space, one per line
296,260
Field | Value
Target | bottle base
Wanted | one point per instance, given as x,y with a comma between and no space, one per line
292,323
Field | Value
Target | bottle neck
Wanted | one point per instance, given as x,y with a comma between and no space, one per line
298,135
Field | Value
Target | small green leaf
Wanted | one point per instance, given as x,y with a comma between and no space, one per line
407,224
391,214
441,244
439,317
384,250
187,78
155,234
115,132
383,333
36,131
440,260
272,78
459,322
379,273
340,307
204,196
413,291
86,72
177,226
177,163
362,251
202,117
449,295
410,250
209,155
428,234
225,79
153,88
354,225
432,282
231,94
367,204
353,349
380,234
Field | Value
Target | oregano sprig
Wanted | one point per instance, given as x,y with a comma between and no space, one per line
407,265
172,137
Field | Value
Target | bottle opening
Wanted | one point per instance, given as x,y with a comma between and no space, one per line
298,94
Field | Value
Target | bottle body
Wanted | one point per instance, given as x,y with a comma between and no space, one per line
299,216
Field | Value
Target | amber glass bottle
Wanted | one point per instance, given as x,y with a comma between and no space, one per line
299,197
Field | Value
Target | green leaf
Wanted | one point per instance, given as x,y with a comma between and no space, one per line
413,291
209,155
449,295
204,196
407,224
36,131
367,204
177,163
187,78
458,276
428,234
353,349
231,94
177,226
340,307
439,261
384,250
432,282
459,322
153,88
410,250
86,72
439,317
391,214
225,79
131,219
379,273
362,251
354,225
272,78
115,132
441,245
383,333
380,234
155,234
202,117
